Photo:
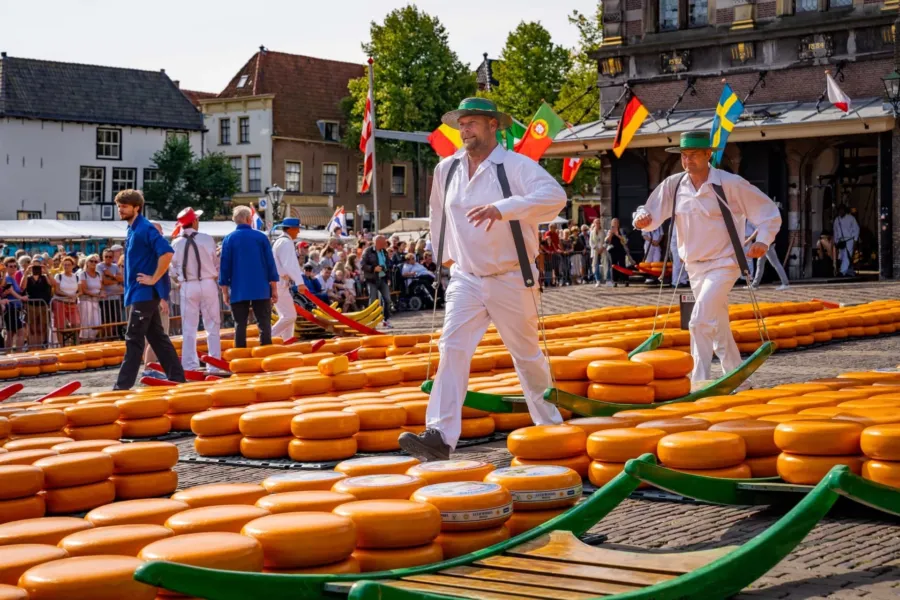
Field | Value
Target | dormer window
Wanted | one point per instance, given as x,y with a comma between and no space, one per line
242,81
330,130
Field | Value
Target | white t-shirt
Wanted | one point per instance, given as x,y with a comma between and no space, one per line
327,284
68,284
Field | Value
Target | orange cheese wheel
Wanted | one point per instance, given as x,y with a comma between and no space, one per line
28,507
102,577
265,447
233,353
12,592
619,372
281,362
189,402
702,450
218,445
68,500
26,422
415,411
44,530
882,471
266,423
759,436
525,520
348,566
720,416
600,473
321,450
378,440
809,470
819,438
801,402
763,466
397,558
880,442
764,395
225,396
376,522
15,559
352,380
579,464
803,388
225,518
223,421
145,485
621,445
376,341
592,424
142,408
9,408
301,481
325,425
215,550
144,428
245,365
310,385
180,421
78,468
788,417
716,403
547,441
568,368
142,457
20,481
214,494
478,427
378,416
670,389
459,543
676,424
35,443
273,391
667,364
121,540
84,446
599,353
640,415
265,351
444,471
539,487
327,538
761,410
85,415
27,437
270,405
468,506
511,421
379,487
305,501
148,511
24,457
383,376
4,427
626,394
741,471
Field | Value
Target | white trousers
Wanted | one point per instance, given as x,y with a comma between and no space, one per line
287,314
845,258
709,326
199,298
772,257
472,303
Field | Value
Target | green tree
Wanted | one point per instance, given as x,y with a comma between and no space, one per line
531,69
184,180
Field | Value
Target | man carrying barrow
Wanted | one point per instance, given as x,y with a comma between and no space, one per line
486,204
701,199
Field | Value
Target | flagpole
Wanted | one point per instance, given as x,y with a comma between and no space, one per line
376,220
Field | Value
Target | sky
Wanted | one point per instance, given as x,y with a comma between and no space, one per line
203,44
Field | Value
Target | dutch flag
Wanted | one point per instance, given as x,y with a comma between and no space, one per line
338,220
256,221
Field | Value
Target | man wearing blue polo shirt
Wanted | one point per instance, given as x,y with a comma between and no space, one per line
147,258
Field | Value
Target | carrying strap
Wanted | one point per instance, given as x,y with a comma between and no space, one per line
516,228
190,243
669,238
732,230
440,250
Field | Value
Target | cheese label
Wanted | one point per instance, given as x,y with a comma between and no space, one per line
306,476
532,471
380,480
451,465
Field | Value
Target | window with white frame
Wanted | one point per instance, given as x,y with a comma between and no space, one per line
224,132
398,180
150,176
329,178
254,174
65,215
109,143
332,131
243,81
123,179
27,215
90,189
293,172
244,130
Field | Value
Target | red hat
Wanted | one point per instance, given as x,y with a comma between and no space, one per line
188,216
303,245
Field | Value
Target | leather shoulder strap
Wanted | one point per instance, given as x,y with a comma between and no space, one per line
732,230
190,242
440,250
516,229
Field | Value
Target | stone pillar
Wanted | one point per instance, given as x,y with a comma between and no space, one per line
794,212
895,168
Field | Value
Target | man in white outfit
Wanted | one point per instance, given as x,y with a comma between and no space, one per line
288,270
487,282
701,199
195,268
846,232
772,257
652,247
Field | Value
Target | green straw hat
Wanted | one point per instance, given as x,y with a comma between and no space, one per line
476,106
692,140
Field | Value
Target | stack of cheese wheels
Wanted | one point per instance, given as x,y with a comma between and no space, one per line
19,497
476,424
71,360
881,443
380,426
709,453
622,381
77,482
218,432
759,440
86,577
37,423
670,372
4,430
184,404
379,487
267,433
323,435
473,514
610,449
143,469
328,539
393,534
15,559
92,422
144,417
810,448
562,445
539,493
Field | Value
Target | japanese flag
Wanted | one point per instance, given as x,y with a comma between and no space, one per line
836,96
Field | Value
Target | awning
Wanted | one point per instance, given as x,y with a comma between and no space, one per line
778,121
313,216
401,225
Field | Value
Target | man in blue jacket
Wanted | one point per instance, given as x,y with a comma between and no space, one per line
248,277
147,258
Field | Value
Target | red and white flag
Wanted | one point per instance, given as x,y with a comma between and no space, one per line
367,144
570,168
836,95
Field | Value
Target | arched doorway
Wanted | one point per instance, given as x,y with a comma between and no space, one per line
631,187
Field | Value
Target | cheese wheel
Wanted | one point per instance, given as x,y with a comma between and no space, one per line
670,389
304,501
539,487
640,415
28,507
579,464
599,353
24,457
798,403
189,402
676,424
310,385
142,408
214,494
819,438
376,522
478,427
511,421
26,437
9,408
352,380
145,485
245,365
121,540
600,472
702,450
761,410
378,440
78,468
148,511
35,443
218,445
144,428
592,424
68,500
214,550
803,388
266,423
44,530
348,566
379,487
224,396
233,353
327,538
764,395
882,471
225,518
741,471
460,543
265,447
325,425
415,411
763,466
270,405
720,416
568,368
522,521
468,506
299,481
666,364
12,592
142,457
619,372
223,421
759,436
444,471
547,441
378,416
86,415
180,421
15,559
880,442
626,394
84,446
4,427
20,481
321,450
397,558
26,422
809,470
621,445
874,402
273,391
102,577
715,403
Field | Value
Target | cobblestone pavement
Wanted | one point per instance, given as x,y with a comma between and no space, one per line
853,553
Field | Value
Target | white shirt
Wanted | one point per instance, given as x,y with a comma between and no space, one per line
327,284
415,269
537,198
286,259
184,255
700,226
650,237
845,228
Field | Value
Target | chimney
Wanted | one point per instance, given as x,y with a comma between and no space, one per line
262,49
177,84
2,54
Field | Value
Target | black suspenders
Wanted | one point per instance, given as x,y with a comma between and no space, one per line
190,242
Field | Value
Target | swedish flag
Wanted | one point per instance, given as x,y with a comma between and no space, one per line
728,111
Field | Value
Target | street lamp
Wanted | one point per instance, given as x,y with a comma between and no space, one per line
274,210
892,88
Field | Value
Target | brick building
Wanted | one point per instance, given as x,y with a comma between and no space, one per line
790,141
279,121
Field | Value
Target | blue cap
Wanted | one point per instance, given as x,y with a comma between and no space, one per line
291,223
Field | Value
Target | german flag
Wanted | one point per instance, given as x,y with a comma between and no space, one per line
631,121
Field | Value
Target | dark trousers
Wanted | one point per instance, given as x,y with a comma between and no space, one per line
241,312
380,286
144,323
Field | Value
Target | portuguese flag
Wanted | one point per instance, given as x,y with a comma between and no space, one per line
540,133
631,121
